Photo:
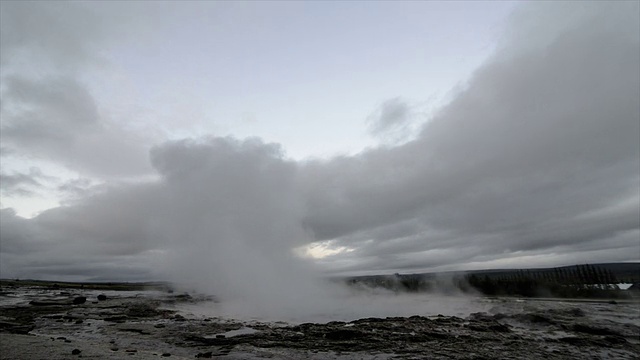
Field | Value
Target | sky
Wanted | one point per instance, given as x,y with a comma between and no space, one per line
140,140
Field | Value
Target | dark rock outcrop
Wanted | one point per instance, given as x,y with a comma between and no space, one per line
79,300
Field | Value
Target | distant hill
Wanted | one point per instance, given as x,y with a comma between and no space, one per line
624,272
583,280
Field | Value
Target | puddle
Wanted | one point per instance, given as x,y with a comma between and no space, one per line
232,333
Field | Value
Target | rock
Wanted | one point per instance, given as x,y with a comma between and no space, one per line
131,351
143,310
79,300
75,352
79,321
102,297
343,334
615,340
593,330
207,355
159,326
576,341
114,349
576,312
15,328
497,327
117,318
220,336
48,302
535,319
166,354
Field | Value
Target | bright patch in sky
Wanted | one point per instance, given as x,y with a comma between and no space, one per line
322,249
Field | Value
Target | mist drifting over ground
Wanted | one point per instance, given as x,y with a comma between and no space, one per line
534,160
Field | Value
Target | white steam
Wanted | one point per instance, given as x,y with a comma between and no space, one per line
233,222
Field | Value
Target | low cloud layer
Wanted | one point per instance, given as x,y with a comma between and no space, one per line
534,162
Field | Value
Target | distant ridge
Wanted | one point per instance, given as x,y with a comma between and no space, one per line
624,271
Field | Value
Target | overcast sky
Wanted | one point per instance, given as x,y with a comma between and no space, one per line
358,137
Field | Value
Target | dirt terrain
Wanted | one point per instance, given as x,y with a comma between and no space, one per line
58,323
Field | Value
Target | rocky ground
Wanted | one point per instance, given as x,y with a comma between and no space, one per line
51,323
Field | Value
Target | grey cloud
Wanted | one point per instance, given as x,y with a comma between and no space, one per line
536,157
512,163
17,234
47,111
97,232
20,183
55,110
5,150
13,182
393,114
57,119
65,35
220,203
77,188
44,27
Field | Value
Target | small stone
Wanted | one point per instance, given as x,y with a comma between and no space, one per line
79,321
75,352
114,349
102,297
207,355
220,336
166,354
159,326
131,351
67,341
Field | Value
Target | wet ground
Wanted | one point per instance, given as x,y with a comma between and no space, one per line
39,322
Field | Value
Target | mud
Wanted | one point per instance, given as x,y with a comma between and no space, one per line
45,323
